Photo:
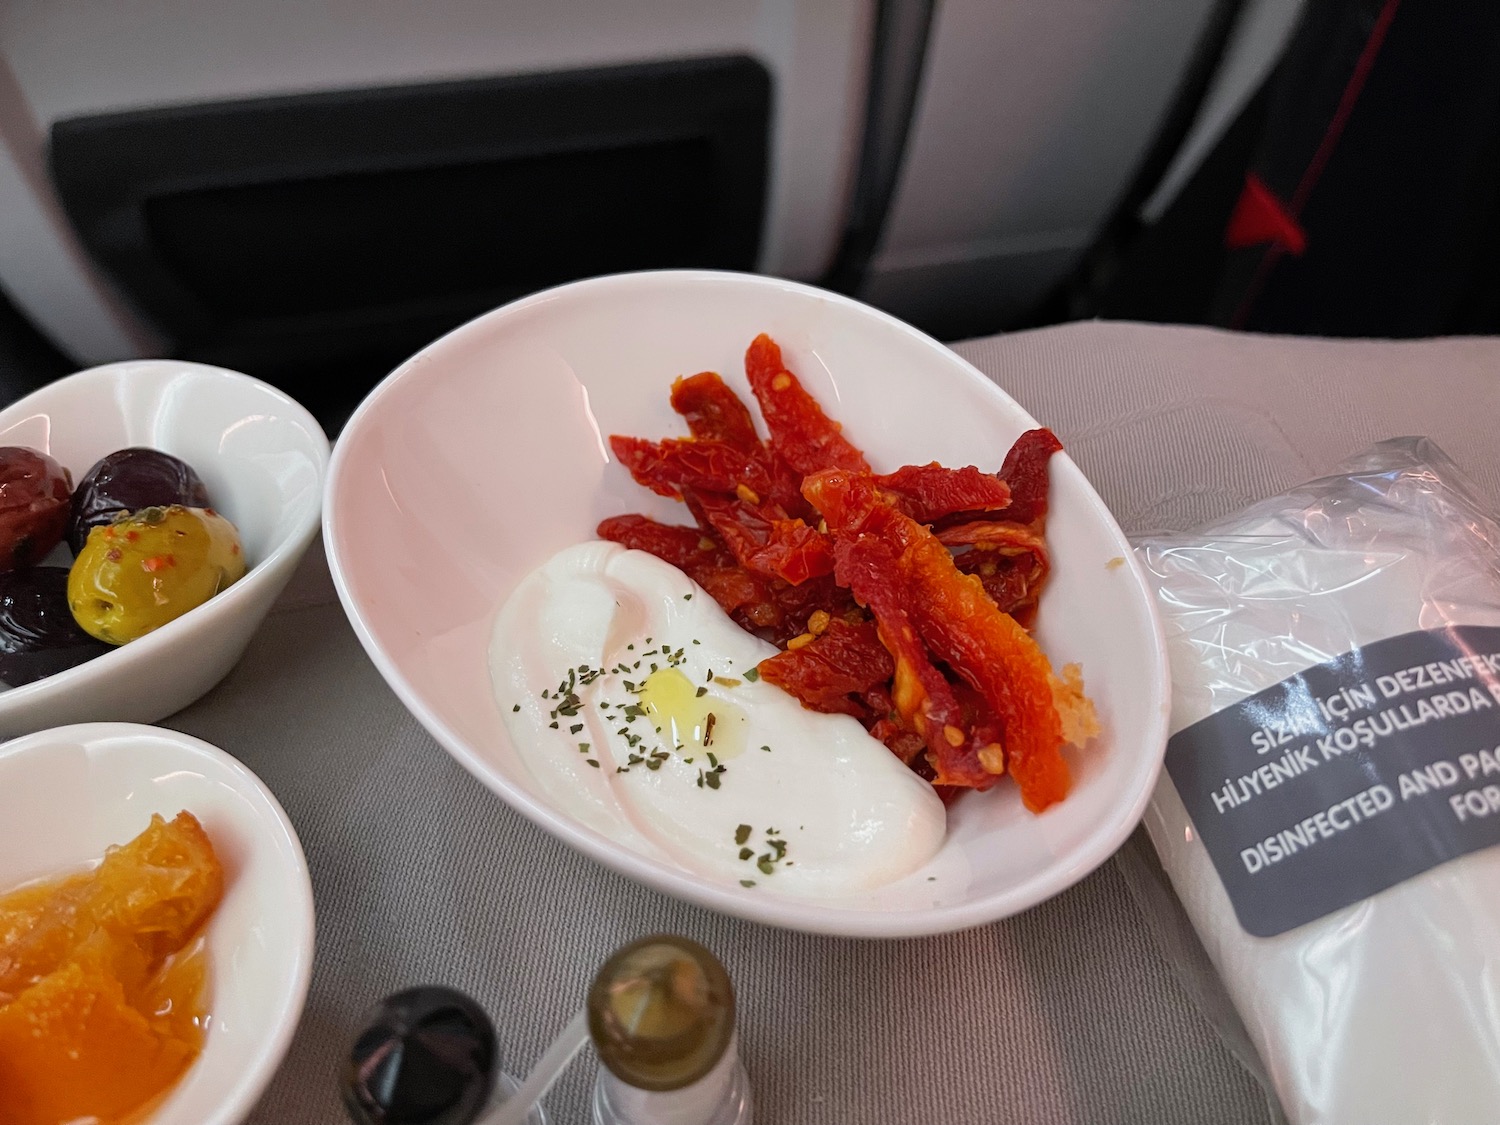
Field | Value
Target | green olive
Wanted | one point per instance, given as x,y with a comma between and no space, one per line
147,568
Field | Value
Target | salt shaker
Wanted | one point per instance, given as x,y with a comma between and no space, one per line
661,1015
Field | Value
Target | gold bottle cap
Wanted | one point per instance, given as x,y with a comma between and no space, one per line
661,1013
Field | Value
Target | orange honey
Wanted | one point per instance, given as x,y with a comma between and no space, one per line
103,980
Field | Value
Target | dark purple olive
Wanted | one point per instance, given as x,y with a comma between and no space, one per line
127,481
38,636
425,1056
34,491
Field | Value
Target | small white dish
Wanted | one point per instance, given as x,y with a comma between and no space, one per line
67,794
263,458
487,452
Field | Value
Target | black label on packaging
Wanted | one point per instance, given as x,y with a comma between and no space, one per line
1349,777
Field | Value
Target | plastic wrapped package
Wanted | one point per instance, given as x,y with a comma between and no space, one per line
1366,1007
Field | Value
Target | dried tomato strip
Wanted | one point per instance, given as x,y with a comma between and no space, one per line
741,526
740,594
757,603
985,728
923,698
786,487
745,596
907,745
844,661
776,609
683,547
1010,559
795,552
993,535
928,493
668,467
766,542
800,603
961,626
714,412
997,657
1025,470
859,511
800,432
1014,583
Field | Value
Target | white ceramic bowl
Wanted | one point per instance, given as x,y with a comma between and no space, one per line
262,457
68,794
484,454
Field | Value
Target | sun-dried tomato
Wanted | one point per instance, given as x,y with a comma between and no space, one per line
1025,470
985,728
683,547
993,535
800,432
846,501
742,527
668,467
928,493
923,769
714,412
844,661
852,575
877,699
766,542
951,615
903,742
760,604
997,657
739,593
798,604
1014,584
703,558
1010,559
924,699
795,552
786,487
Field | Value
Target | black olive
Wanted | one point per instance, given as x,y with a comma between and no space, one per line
127,481
38,636
425,1056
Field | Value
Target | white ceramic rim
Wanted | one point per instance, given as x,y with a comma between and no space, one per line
808,917
221,605
260,1066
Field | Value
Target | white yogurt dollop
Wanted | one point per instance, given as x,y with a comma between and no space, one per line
650,733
